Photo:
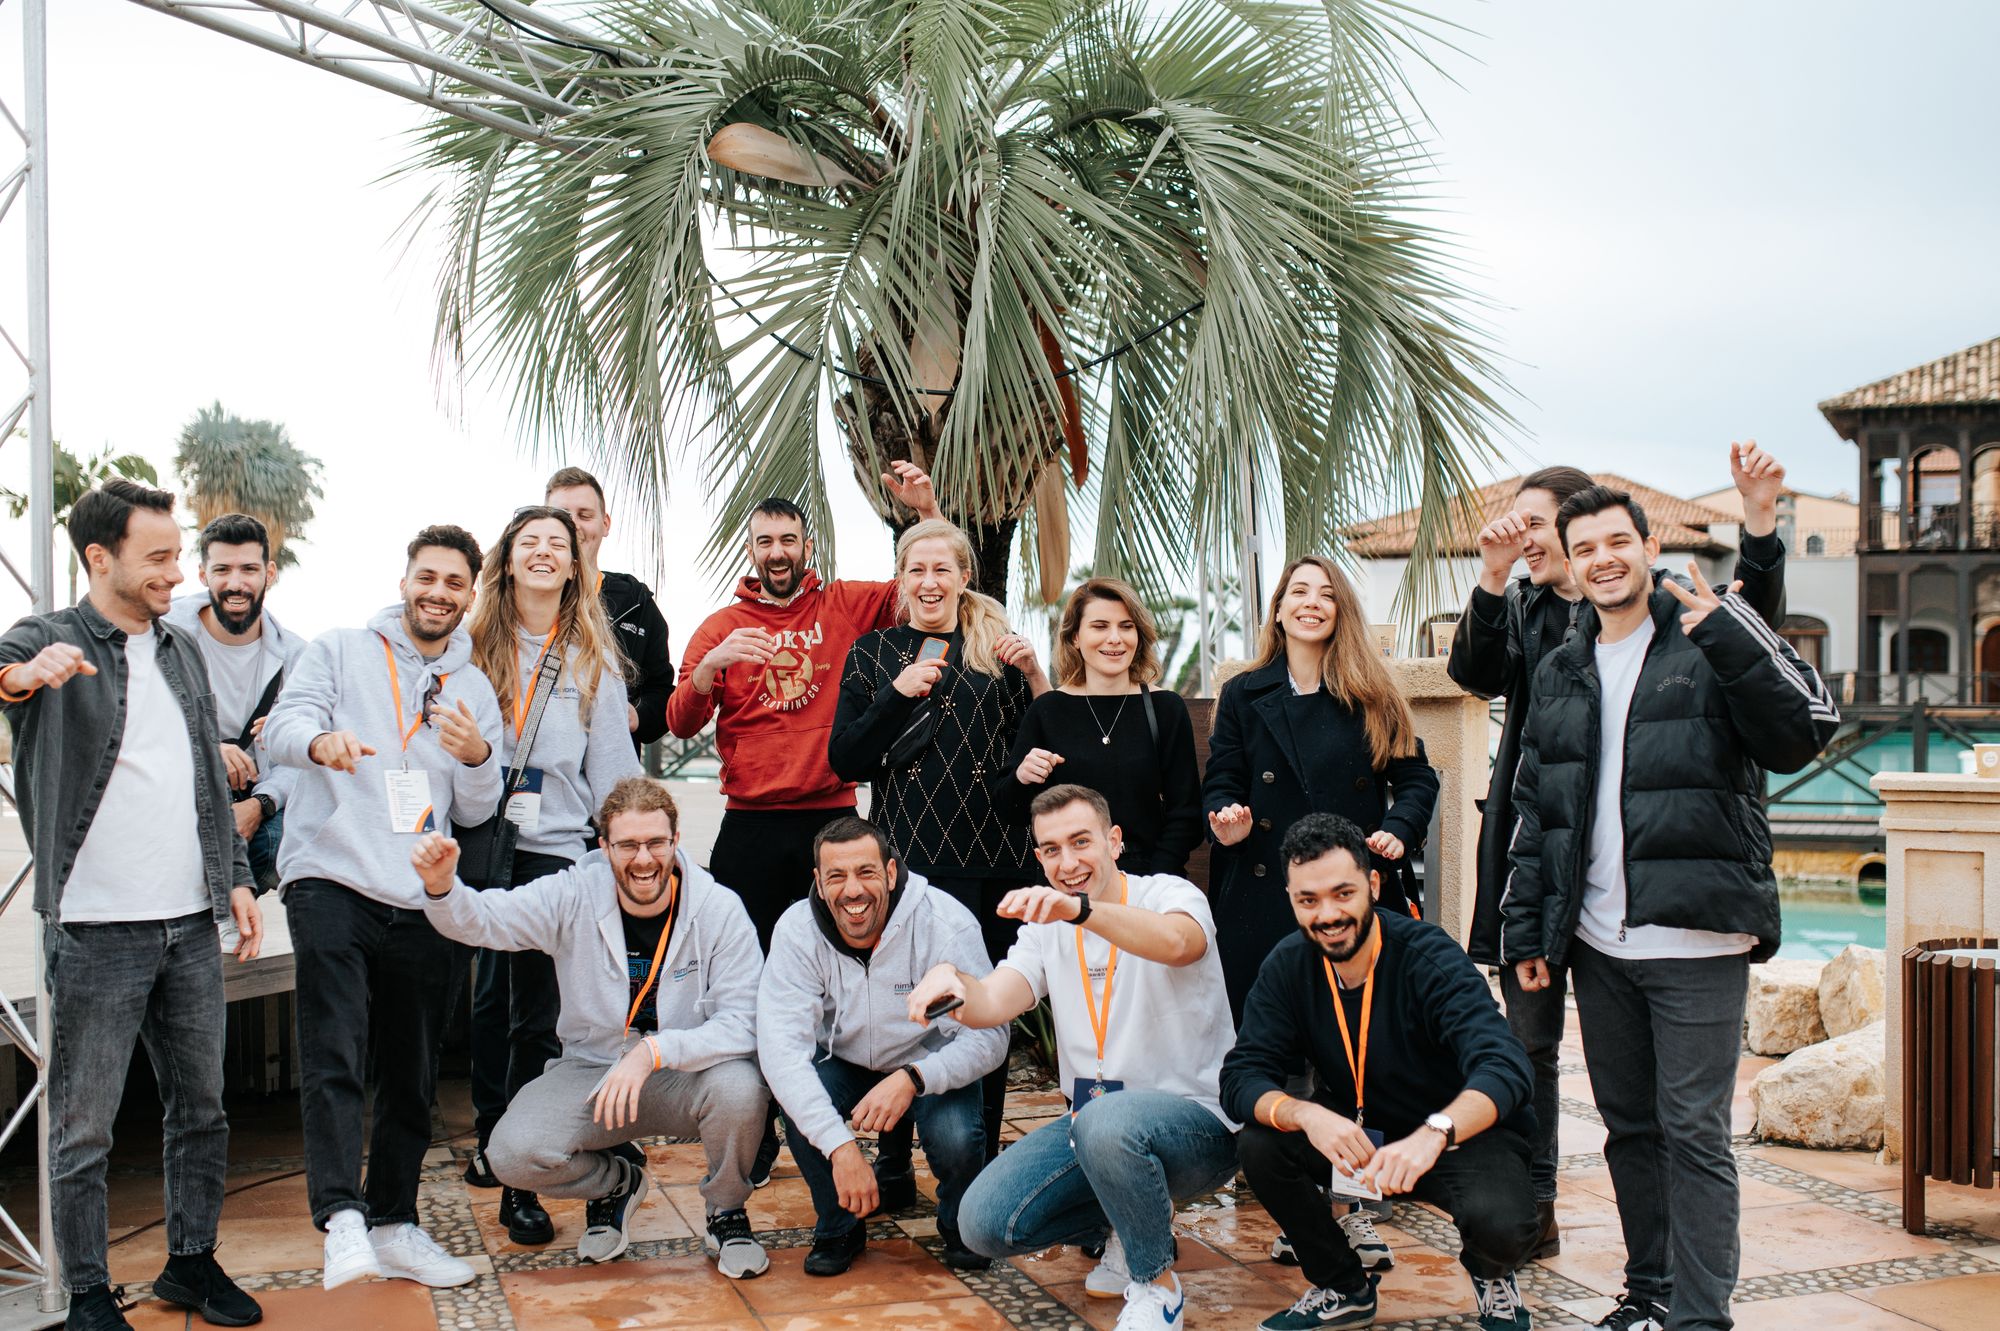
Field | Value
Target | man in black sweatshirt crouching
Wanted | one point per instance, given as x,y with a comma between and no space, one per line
1422,1088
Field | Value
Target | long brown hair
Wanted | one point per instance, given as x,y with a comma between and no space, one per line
982,621
1351,666
580,621
1145,666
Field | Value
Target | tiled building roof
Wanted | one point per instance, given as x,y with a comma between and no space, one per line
1964,378
1681,524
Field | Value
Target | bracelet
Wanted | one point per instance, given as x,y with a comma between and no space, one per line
1276,1105
651,1040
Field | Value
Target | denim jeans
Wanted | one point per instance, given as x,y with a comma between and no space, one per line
1120,1163
1537,1020
515,1003
948,1123
264,852
156,981
374,981
1661,1039
1483,1186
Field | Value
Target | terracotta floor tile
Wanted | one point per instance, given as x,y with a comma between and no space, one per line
1425,1283
368,1305
1962,1303
1576,1136
969,1313
1233,1296
892,1271
1850,1169
656,1218
264,1228
1977,1209
681,1162
1101,1314
1751,1192
1060,1265
1594,1257
785,1204
1243,1233
672,1294
1811,1236
1822,1312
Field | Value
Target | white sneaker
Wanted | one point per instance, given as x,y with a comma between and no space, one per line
1282,1251
1108,1279
1368,1245
349,1254
406,1252
1151,1307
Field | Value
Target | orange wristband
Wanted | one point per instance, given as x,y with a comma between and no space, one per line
656,1052
1282,1099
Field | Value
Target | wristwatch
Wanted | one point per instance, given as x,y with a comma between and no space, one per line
1442,1123
916,1077
1082,907
267,808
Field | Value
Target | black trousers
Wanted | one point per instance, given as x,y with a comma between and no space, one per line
1483,1186
765,857
375,986
515,1003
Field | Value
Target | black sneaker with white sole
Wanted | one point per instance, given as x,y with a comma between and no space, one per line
1635,1314
604,1218
1326,1308
732,1246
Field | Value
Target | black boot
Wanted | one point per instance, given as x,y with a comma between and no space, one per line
832,1257
197,1282
527,1223
95,1310
957,1256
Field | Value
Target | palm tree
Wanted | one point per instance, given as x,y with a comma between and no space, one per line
73,479
1166,255
230,465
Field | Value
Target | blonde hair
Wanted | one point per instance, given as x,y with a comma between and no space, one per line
1351,665
982,621
580,621
1145,666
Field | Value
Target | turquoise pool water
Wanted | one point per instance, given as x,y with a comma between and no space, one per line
1818,926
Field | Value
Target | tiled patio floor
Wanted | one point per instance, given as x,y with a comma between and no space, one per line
1823,1248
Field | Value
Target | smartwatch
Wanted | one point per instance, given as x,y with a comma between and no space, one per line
916,1077
1082,907
1442,1123
267,807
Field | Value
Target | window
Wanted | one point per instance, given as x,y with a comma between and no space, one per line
1930,652
1815,544
1807,635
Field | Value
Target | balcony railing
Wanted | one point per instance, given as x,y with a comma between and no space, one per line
1932,688
1938,527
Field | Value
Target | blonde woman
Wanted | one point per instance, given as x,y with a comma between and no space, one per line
1108,726
534,606
1315,725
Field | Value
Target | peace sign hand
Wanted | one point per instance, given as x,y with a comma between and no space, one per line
1699,602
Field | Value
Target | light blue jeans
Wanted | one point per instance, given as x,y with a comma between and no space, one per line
1122,1163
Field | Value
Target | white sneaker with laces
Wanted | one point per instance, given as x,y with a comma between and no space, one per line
349,1254
1151,1307
406,1252
1368,1245
1108,1279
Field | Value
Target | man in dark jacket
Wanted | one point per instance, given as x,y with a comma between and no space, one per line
1507,628
1642,860
628,603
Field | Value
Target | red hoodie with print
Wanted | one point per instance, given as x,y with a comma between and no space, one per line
772,723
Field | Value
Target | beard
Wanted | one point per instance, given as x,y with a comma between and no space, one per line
413,618
780,585
236,624
1363,930
1637,590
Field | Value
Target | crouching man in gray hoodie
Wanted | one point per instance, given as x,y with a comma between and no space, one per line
657,966
836,1042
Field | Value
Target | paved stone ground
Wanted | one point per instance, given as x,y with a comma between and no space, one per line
1822,1242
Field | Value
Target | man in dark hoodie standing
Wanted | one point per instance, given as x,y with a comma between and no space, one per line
1506,630
635,616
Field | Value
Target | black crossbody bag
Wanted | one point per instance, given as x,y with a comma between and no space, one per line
486,850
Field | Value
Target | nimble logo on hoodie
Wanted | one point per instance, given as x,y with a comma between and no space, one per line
794,678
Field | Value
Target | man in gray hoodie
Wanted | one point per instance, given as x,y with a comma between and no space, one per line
836,1042
393,730
657,966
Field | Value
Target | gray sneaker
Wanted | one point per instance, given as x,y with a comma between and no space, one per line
604,1238
736,1251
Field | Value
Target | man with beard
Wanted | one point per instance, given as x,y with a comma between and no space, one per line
1420,1087
393,730
659,1029
126,807
247,653
1643,863
1136,991
836,1047
635,616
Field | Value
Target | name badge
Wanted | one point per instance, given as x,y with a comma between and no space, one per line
1086,1089
1346,1183
524,806
410,806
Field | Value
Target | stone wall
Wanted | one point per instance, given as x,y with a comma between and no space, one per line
1454,727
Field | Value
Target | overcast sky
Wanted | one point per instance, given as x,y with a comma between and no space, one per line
1694,222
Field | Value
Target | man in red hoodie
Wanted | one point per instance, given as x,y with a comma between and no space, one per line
768,669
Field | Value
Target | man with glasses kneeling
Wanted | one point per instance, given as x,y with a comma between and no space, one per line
657,966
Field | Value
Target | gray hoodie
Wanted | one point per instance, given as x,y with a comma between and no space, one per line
578,765
707,991
337,826
282,651
817,994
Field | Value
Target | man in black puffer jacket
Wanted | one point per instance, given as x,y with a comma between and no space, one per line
1642,860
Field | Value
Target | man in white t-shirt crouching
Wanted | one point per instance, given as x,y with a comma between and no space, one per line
1142,1026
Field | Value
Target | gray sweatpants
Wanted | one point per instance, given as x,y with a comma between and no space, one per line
546,1142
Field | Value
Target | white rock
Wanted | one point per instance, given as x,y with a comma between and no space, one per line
1831,1095
1782,1013
1850,990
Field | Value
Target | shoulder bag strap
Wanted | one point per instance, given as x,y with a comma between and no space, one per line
1152,717
263,707
545,684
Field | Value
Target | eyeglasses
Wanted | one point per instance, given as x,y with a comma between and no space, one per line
430,700
657,848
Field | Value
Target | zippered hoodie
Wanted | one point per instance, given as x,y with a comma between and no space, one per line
337,826
771,725
282,650
818,994
579,766
706,996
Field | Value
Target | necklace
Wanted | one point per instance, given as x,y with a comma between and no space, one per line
1102,729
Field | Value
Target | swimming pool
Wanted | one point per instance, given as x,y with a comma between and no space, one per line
1818,925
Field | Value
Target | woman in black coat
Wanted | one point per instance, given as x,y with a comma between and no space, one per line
1315,724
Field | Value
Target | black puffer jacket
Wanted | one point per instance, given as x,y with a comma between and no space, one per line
642,635
1710,712
1501,641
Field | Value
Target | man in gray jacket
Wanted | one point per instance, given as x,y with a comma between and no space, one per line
657,967
836,1042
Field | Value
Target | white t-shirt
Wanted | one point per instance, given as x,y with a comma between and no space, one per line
238,674
1167,1028
141,859
1603,916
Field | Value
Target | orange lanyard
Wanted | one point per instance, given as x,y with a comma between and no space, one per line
396,689
1357,1068
521,697
659,949
1100,1018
